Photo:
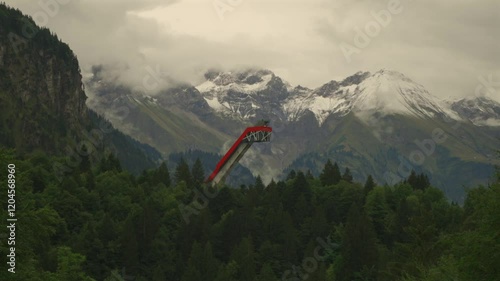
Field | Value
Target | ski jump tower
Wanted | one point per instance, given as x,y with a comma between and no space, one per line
259,133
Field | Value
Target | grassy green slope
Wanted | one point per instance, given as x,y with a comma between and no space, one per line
382,148
170,130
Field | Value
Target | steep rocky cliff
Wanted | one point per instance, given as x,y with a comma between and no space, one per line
42,98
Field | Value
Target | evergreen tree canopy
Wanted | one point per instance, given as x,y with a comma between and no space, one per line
330,174
163,175
347,176
182,173
108,223
369,184
198,173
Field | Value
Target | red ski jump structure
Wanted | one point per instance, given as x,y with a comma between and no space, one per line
259,133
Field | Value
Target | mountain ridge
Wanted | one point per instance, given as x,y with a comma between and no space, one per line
43,101
368,122
384,91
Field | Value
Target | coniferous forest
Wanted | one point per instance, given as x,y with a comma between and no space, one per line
112,219
102,223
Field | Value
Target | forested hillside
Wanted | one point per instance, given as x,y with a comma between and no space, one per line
118,214
42,100
102,222
240,174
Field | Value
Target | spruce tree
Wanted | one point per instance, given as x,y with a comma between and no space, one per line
301,187
163,175
359,248
194,266
412,179
347,176
291,175
369,184
330,174
198,173
259,185
422,181
182,173
309,175
326,175
377,209
244,255
266,273
210,265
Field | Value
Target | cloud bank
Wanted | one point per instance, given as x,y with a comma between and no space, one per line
445,45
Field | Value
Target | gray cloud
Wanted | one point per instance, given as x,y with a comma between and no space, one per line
444,45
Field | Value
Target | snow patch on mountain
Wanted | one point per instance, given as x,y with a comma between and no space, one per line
384,92
214,103
253,93
320,105
390,92
481,111
236,93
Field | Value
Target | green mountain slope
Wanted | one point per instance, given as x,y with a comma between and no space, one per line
390,147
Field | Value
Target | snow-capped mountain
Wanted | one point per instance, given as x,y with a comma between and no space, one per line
370,122
481,111
245,94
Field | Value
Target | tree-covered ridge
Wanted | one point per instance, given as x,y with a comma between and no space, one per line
101,222
16,26
238,176
42,101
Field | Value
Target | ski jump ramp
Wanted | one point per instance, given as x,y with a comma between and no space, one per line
259,133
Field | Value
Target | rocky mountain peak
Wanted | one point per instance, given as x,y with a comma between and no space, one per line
391,92
328,88
481,111
301,88
355,79
248,76
252,93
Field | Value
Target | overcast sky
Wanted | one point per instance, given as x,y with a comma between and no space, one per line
446,45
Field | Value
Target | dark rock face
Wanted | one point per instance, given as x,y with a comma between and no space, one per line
186,97
250,80
43,102
328,88
42,94
355,79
